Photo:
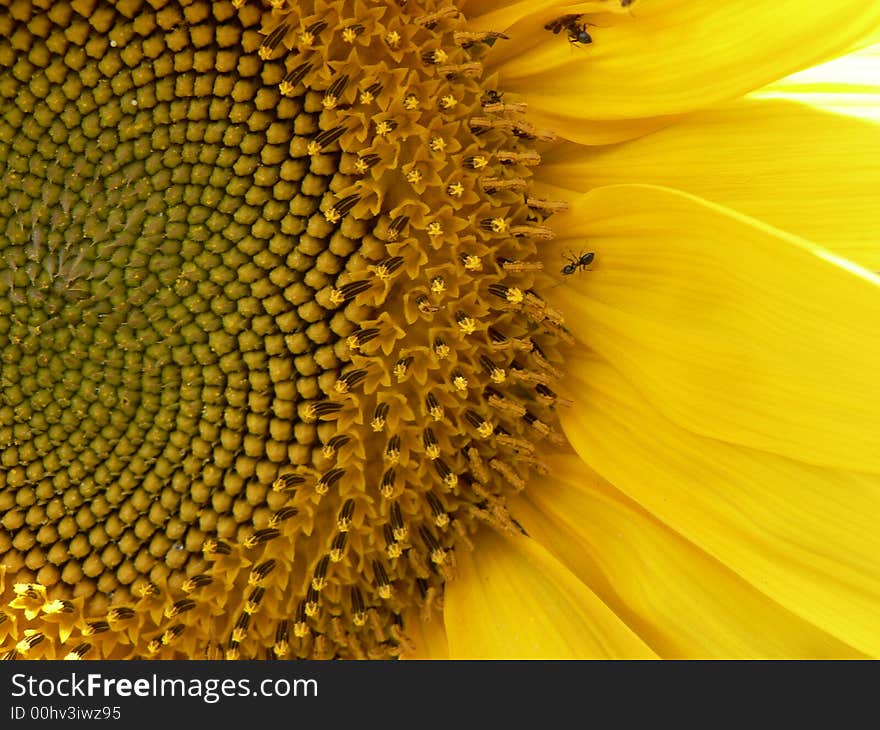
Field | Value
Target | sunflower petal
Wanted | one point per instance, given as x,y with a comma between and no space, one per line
778,156
732,329
512,599
804,536
678,599
671,58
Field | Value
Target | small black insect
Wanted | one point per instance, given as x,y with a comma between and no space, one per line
577,32
577,262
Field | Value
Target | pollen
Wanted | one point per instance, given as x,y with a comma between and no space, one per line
270,342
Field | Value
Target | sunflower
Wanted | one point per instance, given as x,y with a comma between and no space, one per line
349,329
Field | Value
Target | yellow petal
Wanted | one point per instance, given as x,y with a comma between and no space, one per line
668,58
805,536
428,636
679,600
732,329
513,600
778,156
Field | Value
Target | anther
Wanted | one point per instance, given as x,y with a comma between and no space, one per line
495,373
467,324
441,349
401,367
482,426
328,479
293,78
386,488
387,267
459,381
351,32
300,627
476,162
392,548
438,285
334,444
258,537
343,520
287,482
319,578
271,41
239,630
541,233
259,573
358,612
337,549
282,515
253,600
429,441
381,579
362,337
365,162
334,91
350,380
79,651
425,306
325,138
179,607
121,613
281,648
397,524
307,37
433,407
471,262
342,208
449,477
369,94
397,225
377,423
441,517
312,602
438,554
434,57
349,291
392,450
324,409
95,627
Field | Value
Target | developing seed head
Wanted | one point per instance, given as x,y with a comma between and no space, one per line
252,358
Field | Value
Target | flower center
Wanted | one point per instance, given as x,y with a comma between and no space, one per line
270,352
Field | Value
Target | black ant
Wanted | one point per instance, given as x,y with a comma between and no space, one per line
577,32
577,262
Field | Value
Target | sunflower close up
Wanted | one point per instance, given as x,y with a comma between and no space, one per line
477,329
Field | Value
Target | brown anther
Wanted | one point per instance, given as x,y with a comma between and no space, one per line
392,450
346,513
334,444
397,524
324,410
438,512
79,651
288,482
358,612
260,572
325,138
282,515
401,367
449,477
377,423
293,78
258,537
328,479
380,577
527,159
425,306
319,578
337,549
271,41
350,380
433,407
386,488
